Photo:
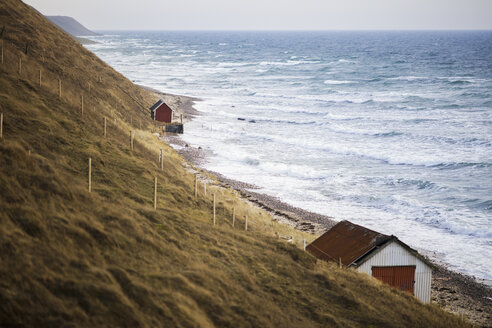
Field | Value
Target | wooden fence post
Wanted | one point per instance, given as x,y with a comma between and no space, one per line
340,262
304,244
1,125
196,185
155,193
90,174
214,208
59,88
246,223
89,89
181,118
161,159
233,216
40,78
104,126
205,188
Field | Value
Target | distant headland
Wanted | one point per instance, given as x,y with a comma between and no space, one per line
73,27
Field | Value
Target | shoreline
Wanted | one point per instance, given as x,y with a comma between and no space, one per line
455,292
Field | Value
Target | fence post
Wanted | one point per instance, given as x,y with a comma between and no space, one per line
304,244
214,208
233,216
246,223
155,193
89,89
90,174
40,76
196,185
340,262
59,88
205,188
104,126
161,159
181,118
1,125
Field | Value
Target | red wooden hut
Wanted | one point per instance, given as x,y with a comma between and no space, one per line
161,112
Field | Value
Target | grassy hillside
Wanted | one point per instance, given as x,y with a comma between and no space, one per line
107,258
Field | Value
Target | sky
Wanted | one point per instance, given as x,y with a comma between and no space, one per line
273,14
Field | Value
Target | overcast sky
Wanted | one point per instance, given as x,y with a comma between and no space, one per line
272,14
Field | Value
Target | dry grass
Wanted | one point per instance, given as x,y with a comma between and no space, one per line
106,258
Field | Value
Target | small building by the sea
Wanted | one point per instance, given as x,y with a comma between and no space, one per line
384,257
161,112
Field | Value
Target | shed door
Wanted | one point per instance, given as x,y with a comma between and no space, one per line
401,277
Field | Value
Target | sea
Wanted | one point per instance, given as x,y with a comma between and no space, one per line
390,130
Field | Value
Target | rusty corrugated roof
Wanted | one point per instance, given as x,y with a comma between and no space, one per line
347,241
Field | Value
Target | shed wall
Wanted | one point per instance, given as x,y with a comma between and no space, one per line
163,114
395,255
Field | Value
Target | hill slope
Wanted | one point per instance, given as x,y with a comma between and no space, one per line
70,257
71,26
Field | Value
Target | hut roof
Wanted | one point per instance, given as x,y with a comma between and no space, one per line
353,244
156,105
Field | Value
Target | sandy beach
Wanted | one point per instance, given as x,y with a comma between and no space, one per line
457,293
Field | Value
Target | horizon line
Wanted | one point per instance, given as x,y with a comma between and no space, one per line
295,30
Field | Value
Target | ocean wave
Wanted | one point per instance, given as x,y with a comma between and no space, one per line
407,78
459,165
459,82
436,218
287,63
388,134
338,82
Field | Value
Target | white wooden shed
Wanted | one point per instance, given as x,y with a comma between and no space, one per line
384,257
